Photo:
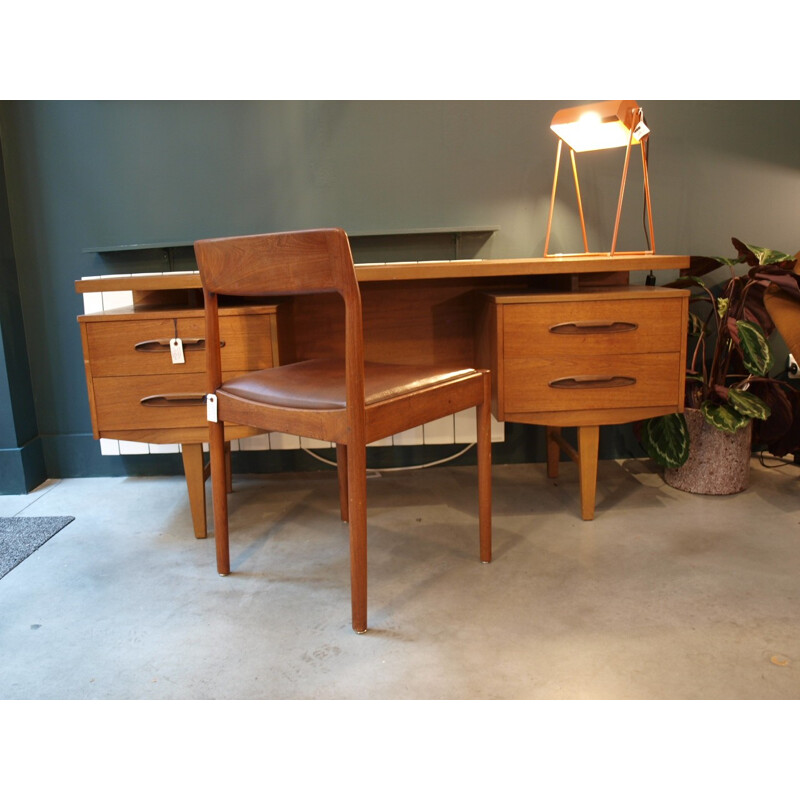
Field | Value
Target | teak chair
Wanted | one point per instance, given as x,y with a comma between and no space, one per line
345,401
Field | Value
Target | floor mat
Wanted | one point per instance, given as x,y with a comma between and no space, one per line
21,536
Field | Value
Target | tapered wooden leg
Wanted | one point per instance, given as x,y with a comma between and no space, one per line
588,444
553,451
193,469
357,508
341,468
219,486
483,412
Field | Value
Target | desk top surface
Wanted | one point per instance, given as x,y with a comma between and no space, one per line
421,270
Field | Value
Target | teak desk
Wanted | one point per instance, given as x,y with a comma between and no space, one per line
568,340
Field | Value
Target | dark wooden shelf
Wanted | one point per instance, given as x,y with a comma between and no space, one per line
474,229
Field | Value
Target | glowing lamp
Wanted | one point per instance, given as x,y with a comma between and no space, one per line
602,126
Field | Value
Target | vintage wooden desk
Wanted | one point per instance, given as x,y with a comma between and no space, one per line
568,340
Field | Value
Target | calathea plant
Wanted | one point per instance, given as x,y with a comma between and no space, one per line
727,377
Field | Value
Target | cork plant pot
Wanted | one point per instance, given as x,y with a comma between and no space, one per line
718,463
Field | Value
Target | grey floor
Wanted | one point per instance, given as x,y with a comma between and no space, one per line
665,595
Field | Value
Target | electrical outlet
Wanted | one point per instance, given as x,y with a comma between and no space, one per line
792,368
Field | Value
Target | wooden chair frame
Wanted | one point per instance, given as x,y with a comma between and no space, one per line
315,261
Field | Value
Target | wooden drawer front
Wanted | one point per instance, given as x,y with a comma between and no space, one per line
592,327
141,347
572,383
141,401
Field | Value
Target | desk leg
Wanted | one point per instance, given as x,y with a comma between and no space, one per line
195,474
553,436
588,444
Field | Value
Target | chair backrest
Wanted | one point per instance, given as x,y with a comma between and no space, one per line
299,262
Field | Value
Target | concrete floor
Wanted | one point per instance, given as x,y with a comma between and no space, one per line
665,595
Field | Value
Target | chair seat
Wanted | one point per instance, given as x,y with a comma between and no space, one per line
320,383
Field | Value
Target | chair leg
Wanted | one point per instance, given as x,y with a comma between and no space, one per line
341,468
484,433
357,512
219,492
228,470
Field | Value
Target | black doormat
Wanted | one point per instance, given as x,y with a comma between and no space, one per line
21,536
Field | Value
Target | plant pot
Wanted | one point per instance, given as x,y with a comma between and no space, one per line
718,463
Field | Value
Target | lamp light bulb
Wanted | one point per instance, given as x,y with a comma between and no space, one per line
590,118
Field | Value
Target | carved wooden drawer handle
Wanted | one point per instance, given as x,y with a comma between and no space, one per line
174,400
592,382
593,326
162,345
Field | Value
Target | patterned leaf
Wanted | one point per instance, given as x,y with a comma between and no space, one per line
725,418
666,440
759,256
748,404
756,353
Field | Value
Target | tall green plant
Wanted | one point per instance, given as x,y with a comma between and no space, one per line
727,376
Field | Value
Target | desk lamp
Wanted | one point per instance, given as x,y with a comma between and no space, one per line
602,126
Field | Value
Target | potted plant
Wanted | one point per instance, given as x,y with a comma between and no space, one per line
731,400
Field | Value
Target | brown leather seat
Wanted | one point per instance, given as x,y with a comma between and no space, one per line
320,383
341,400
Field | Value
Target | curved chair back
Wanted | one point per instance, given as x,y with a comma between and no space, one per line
301,262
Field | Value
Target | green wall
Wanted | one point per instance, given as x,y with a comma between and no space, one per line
21,458
90,174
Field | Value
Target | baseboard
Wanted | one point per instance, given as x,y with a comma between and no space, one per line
22,468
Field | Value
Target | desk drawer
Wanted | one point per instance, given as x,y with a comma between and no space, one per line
141,347
577,382
142,401
589,357
593,327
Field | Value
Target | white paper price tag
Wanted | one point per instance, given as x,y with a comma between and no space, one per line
211,407
176,351
640,131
